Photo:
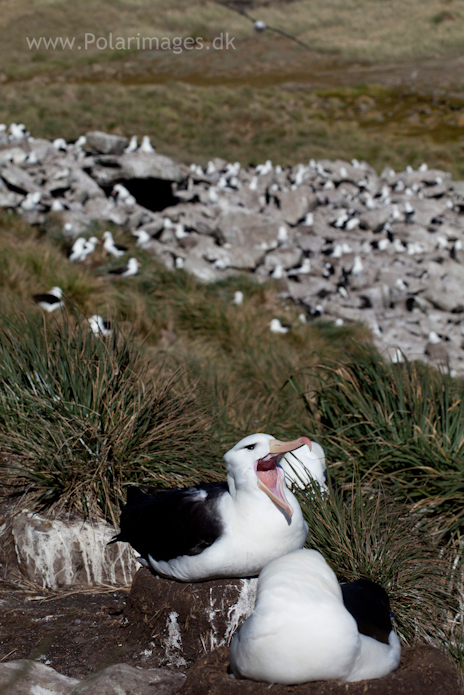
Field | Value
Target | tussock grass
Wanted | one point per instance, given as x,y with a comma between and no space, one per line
81,416
402,424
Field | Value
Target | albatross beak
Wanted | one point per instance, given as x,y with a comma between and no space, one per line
271,477
277,447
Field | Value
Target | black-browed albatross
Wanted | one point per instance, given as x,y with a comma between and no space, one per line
225,529
306,627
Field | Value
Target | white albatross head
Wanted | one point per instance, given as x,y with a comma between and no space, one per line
56,292
254,462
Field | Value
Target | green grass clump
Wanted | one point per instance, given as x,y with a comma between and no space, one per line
401,424
81,416
362,531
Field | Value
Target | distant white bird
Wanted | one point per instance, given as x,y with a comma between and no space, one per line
81,141
276,327
146,145
308,220
263,169
278,272
143,238
179,262
132,268
409,212
260,26
75,252
434,338
31,158
100,327
238,298
57,205
222,263
213,195
304,268
210,169
306,627
253,185
60,144
51,300
179,231
68,229
357,267
110,247
122,195
351,224
341,220
400,285
31,201
383,244
17,131
282,234
89,247
132,146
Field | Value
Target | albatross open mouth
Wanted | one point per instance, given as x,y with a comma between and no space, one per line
271,477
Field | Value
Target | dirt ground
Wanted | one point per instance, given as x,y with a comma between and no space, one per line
75,633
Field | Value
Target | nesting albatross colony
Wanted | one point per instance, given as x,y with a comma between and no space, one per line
192,308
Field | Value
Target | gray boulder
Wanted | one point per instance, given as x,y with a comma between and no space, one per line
26,677
122,679
106,143
239,227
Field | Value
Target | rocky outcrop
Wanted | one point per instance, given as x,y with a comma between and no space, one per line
182,621
53,553
26,677
346,243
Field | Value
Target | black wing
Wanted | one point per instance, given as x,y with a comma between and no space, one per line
48,298
369,605
169,523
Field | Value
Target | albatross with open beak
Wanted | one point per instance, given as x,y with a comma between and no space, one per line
226,529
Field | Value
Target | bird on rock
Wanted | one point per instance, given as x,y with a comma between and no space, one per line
146,146
306,627
224,529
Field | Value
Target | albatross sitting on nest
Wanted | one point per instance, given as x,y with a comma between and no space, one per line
226,529
306,627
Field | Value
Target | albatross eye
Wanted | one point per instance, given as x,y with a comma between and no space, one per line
250,447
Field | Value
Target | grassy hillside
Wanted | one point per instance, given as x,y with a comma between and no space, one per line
379,81
187,373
